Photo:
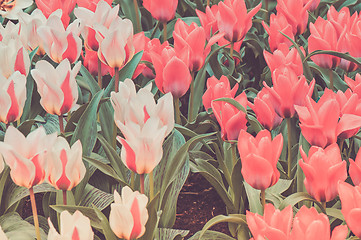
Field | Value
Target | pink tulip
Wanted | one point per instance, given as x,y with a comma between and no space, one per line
278,23
12,97
128,214
355,85
341,20
172,73
91,4
231,120
309,224
355,169
265,111
273,225
217,89
57,86
259,157
10,9
283,57
26,156
76,226
208,20
314,4
60,43
91,63
161,10
65,165
233,19
351,206
50,6
288,90
323,168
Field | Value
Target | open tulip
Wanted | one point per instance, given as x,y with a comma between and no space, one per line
355,169
314,4
14,57
259,157
50,6
341,20
355,85
12,97
91,63
128,214
65,165
351,206
161,10
76,226
273,225
323,168
10,9
208,20
57,86
26,156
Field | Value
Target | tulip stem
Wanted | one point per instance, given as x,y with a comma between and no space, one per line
116,82
35,213
151,186
165,35
331,79
231,50
65,202
141,183
61,123
289,162
191,99
263,198
208,1
100,80
137,17
266,8
341,145
132,177
177,112
323,205
234,153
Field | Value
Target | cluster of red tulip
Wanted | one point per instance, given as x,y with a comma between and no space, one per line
297,97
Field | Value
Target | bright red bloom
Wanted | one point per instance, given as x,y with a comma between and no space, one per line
208,20
231,119
50,6
233,19
323,168
91,63
162,10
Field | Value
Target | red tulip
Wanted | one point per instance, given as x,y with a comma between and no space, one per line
314,4
231,119
91,63
128,214
162,10
91,4
259,157
323,168
309,224
208,20
273,225
233,19
340,20
288,90
172,72
278,23
217,89
50,6
355,85
351,206
283,57
265,111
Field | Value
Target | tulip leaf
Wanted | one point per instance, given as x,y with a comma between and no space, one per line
253,196
93,85
4,178
281,186
345,56
107,231
153,219
93,196
211,235
237,186
170,234
325,75
233,102
299,197
128,9
29,96
336,213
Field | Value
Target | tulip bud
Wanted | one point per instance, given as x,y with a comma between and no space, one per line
161,10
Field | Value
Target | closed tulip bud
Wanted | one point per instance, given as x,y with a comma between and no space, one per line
57,86
323,168
50,6
128,214
273,225
12,97
10,9
65,165
26,155
76,226
259,157
161,10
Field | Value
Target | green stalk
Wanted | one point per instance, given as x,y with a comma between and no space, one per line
331,79
116,82
35,213
165,36
141,183
208,2
132,180
177,112
234,153
151,186
191,99
231,50
289,162
139,27
263,198
100,80
65,202
323,205
61,123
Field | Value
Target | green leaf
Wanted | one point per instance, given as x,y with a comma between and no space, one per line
170,234
93,84
232,218
233,102
93,196
253,196
336,213
211,235
29,96
107,231
299,197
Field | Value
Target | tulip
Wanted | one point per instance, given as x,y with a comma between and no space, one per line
57,86
231,119
273,225
259,157
3,235
76,226
161,10
234,20
26,156
172,73
309,224
355,169
60,43
128,214
323,168
208,20
355,85
314,4
351,206
10,9
217,89
283,57
278,23
91,63
65,165
265,111
288,90
321,123
341,20
10,31
50,6
91,4
14,57
12,97
295,13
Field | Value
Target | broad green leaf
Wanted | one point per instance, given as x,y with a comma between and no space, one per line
211,235
281,186
336,213
233,102
107,231
237,187
29,96
93,196
338,82
153,219
232,218
128,9
170,234
254,201
299,197
51,123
